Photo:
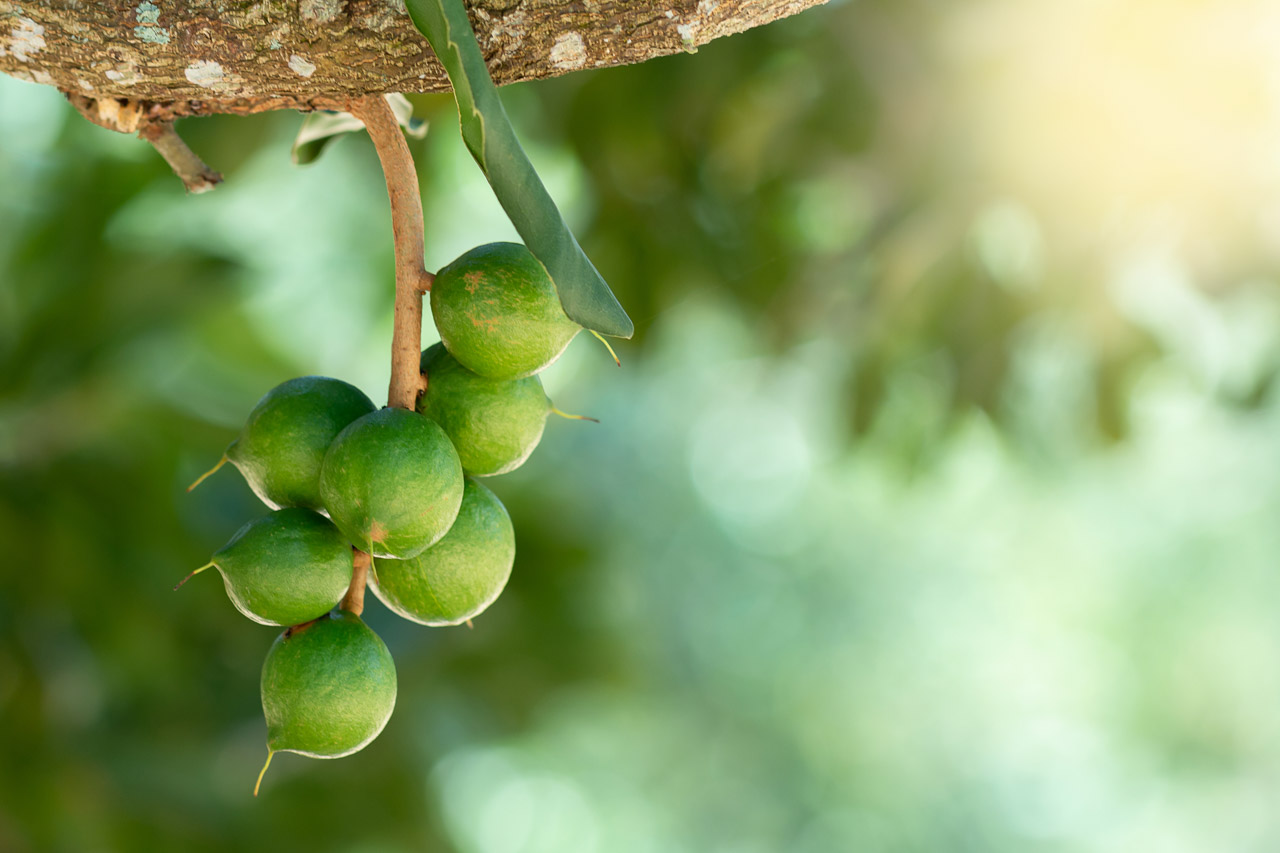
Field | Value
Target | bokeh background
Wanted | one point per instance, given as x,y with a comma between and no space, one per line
934,507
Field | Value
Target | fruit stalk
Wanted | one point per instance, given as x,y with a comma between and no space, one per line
353,601
412,278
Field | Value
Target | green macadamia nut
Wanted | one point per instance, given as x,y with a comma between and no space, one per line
392,483
285,568
498,312
494,424
283,442
461,575
328,688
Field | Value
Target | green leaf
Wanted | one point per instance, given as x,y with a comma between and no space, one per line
317,131
489,137
322,127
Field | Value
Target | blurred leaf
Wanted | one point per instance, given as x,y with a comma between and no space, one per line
320,128
489,137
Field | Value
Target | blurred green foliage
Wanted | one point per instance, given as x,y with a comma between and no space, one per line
926,513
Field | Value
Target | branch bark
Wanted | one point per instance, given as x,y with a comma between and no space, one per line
214,54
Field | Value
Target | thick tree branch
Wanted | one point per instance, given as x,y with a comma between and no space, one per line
229,53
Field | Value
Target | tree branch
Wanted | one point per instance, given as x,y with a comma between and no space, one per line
214,54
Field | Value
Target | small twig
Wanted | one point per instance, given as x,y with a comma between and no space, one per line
353,601
412,278
124,115
186,164
294,630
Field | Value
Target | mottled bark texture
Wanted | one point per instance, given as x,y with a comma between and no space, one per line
198,56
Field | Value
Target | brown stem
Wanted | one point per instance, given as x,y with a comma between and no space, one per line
186,164
353,601
293,630
412,278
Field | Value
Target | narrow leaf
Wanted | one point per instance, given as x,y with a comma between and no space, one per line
414,128
492,141
317,131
